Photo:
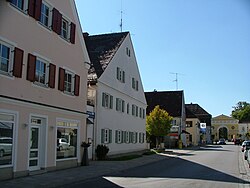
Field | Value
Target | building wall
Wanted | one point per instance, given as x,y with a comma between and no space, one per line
194,131
27,100
113,119
227,122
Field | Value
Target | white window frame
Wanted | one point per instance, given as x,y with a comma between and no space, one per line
44,3
127,136
25,6
107,102
67,72
107,137
120,74
46,79
67,29
11,58
120,105
119,136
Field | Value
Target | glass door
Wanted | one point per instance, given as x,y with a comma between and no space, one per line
34,148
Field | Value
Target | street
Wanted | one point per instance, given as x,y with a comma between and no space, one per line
210,166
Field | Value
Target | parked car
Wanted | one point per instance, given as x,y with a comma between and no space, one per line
237,141
5,146
62,144
247,148
222,141
244,145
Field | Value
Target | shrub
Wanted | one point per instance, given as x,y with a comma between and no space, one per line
101,152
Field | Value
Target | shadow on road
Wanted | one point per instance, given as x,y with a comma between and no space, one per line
178,168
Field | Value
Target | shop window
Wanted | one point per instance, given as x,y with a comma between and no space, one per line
67,133
6,138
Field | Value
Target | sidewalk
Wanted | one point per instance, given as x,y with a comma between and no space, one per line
64,177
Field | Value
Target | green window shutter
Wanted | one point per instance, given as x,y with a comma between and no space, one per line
136,137
110,136
103,99
123,76
117,103
130,137
117,73
139,137
116,136
111,102
123,105
102,135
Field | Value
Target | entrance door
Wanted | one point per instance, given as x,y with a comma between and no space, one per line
34,155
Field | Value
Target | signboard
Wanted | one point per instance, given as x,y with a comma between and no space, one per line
174,129
91,114
202,125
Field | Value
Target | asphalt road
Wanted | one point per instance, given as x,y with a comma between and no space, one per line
209,167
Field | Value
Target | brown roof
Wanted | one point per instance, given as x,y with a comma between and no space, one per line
101,49
171,101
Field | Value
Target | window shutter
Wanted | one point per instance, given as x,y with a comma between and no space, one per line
31,8
103,99
116,136
37,9
123,105
111,102
117,73
110,136
18,63
31,67
56,21
61,79
117,104
72,32
123,76
102,135
77,85
52,74
136,137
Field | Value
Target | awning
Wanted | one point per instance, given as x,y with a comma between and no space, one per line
90,121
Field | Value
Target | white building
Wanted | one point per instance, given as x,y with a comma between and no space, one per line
116,90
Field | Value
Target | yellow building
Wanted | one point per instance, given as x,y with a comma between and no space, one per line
224,127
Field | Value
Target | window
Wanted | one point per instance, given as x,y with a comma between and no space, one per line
135,84
133,110
127,108
67,132
143,113
189,124
173,122
5,58
128,51
11,60
41,71
140,113
106,136
141,137
118,136
127,137
120,75
45,17
69,82
19,4
120,105
107,100
6,138
136,111
65,29
134,137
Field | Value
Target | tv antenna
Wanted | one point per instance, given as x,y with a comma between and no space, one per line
176,78
121,17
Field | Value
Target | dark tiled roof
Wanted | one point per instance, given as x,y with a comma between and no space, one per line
101,49
190,114
171,101
198,111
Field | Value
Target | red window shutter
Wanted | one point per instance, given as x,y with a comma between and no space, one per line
61,79
31,67
72,32
77,85
56,21
31,8
37,9
52,74
18,63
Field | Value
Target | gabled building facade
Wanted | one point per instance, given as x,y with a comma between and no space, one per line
193,128
173,102
43,90
116,91
225,127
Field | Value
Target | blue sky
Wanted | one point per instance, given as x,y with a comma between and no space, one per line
206,41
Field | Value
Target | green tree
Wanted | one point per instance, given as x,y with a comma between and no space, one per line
158,123
241,111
